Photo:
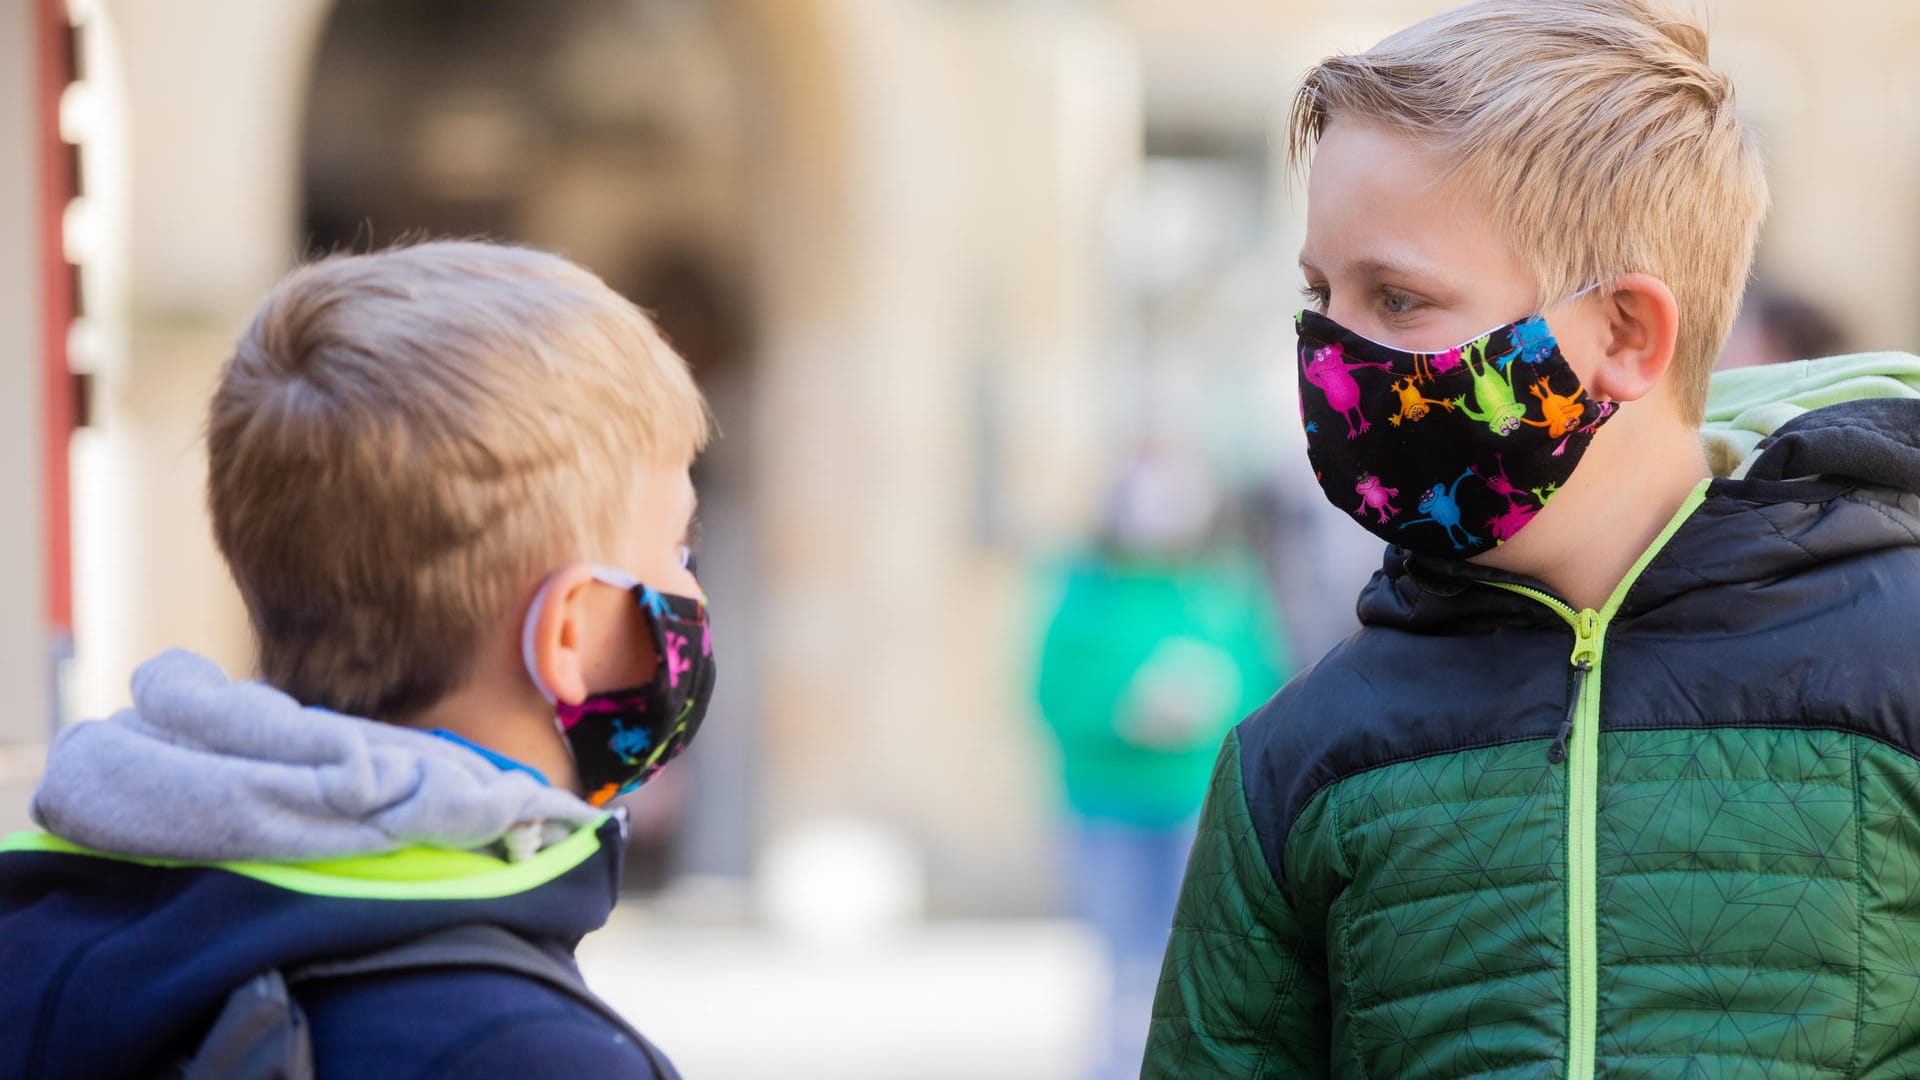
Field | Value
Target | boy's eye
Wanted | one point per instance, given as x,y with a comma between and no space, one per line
1316,297
1395,302
690,546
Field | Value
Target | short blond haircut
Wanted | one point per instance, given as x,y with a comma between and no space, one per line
404,443
1602,141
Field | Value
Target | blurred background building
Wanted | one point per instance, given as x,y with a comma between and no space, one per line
938,263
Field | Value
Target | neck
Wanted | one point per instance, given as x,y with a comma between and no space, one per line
1638,471
498,708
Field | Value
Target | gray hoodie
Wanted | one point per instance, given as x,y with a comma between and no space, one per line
205,769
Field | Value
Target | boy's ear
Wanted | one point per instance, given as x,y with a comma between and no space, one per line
1641,325
555,633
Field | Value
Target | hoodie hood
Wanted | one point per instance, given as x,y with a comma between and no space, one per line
217,830
205,769
1746,407
1817,461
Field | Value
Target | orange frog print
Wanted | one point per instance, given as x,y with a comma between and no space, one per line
1561,411
1413,404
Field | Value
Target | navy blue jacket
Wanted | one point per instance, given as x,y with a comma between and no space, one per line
116,968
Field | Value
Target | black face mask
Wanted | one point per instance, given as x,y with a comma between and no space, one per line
621,738
1449,453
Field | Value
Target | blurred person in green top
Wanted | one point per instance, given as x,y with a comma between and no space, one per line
1163,637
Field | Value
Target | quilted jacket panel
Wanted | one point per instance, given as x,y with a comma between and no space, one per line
1742,933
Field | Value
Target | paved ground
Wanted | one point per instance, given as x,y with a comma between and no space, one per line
1015,1000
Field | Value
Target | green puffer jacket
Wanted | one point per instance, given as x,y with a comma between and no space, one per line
1494,837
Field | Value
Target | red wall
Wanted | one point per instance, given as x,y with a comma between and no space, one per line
54,54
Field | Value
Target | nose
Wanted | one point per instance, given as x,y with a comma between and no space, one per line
1343,314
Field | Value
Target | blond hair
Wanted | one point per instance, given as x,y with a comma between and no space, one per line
1601,139
404,443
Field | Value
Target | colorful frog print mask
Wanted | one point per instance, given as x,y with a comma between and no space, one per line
621,738
1449,453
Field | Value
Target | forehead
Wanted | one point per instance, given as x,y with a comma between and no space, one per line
1381,201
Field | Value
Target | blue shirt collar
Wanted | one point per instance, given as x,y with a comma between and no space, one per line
505,763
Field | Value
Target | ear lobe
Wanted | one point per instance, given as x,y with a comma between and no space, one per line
1642,329
555,629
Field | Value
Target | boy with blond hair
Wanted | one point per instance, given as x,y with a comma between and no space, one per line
1618,778
451,483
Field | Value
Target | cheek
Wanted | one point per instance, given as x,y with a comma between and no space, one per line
631,662
622,655
680,581
1580,345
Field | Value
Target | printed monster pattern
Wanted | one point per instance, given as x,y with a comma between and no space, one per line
1484,433
644,727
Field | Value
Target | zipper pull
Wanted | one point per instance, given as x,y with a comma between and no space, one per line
1557,753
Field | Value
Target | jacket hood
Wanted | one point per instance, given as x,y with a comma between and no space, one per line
1746,407
205,769
1816,460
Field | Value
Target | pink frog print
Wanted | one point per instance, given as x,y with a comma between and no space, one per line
1376,495
1507,523
1501,484
1510,521
570,715
677,662
1328,369
1427,367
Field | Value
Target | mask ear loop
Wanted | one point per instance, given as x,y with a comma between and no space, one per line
1574,297
612,575
526,641
533,672
1542,313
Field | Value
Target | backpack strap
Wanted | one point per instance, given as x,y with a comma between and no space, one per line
491,947
261,1033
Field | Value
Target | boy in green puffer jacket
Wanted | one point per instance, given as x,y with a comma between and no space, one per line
1621,777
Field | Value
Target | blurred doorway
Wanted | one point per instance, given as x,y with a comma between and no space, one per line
610,131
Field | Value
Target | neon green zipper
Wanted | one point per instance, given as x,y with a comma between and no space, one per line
1578,747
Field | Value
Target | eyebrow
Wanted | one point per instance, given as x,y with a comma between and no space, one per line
1421,273
1377,267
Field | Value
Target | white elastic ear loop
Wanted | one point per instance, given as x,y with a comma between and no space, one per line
1541,314
612,575
606,575
1574,297
526,641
